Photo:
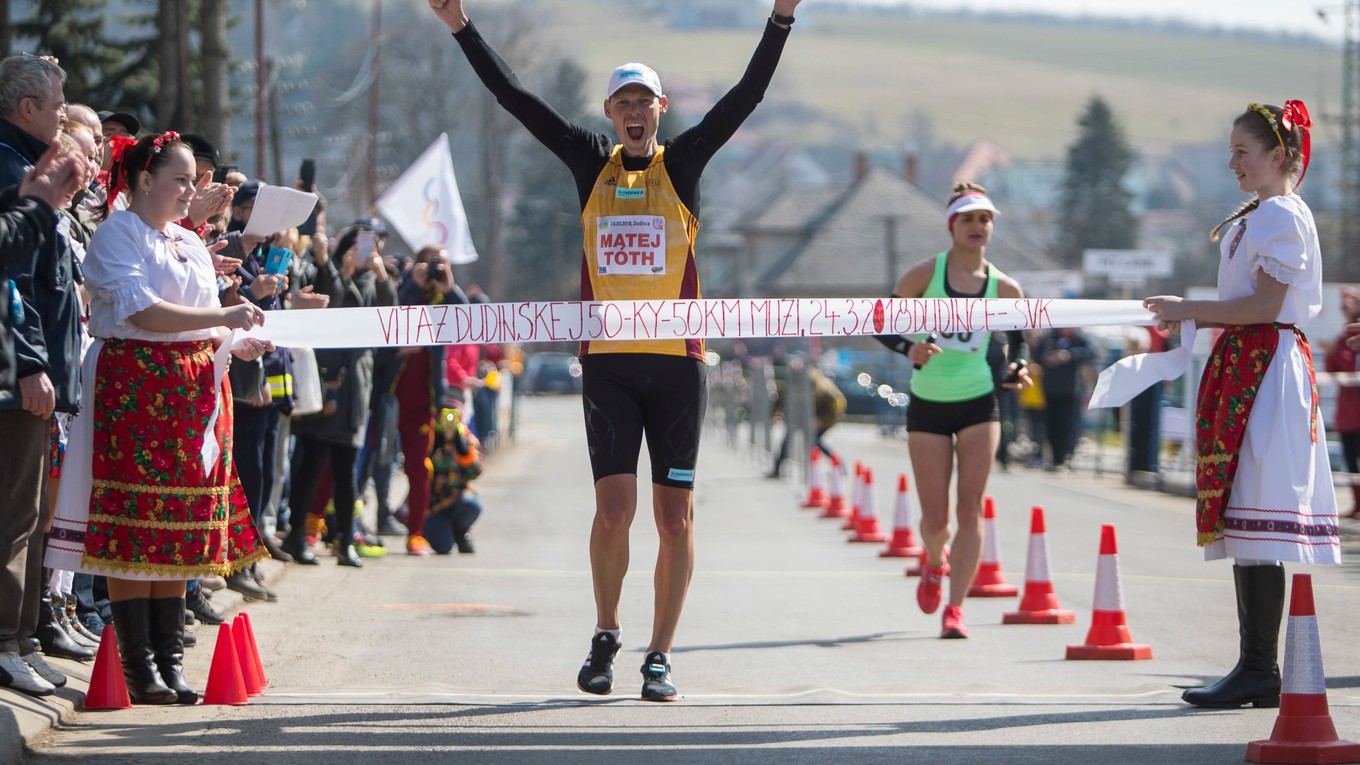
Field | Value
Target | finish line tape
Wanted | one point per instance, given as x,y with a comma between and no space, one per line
576,321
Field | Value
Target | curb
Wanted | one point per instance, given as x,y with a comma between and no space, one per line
26,720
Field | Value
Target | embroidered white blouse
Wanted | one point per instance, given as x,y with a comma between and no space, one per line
131,267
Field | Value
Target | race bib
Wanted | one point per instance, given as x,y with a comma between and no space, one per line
630,244
967,342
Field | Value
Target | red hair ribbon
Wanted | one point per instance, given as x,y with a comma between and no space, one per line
118,147
1296,115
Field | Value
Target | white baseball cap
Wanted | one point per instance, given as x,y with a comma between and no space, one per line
634,74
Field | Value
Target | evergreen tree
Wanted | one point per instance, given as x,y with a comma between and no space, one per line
72,30
1096,209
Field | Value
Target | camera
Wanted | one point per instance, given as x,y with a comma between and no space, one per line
439,271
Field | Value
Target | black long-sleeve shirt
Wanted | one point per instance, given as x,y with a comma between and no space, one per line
586,152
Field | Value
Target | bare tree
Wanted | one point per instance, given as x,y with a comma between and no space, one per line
215,63
174,103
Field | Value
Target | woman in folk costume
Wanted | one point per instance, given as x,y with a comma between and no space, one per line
1264,481
150,497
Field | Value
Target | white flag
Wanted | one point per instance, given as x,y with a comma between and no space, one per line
424,205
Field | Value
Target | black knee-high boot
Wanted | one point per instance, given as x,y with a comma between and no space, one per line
167,644
132,623
1256,678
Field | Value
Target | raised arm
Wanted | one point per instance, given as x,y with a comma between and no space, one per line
544,122
728,114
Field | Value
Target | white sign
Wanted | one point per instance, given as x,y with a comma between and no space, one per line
279,208
631,244
1049,284
1120,264
425,208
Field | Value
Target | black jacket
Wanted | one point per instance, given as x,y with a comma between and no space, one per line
47,336
24,225
346,373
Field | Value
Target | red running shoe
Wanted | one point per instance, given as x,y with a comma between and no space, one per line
953,624
928,590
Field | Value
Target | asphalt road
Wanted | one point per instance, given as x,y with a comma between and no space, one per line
796,647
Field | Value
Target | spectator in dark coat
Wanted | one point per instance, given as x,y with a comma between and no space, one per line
336,433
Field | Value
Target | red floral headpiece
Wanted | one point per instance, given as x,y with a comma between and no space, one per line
159,144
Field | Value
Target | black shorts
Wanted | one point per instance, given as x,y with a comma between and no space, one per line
627,395
947,418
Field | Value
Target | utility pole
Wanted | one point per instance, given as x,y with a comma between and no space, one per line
371,189
260,77
1350,126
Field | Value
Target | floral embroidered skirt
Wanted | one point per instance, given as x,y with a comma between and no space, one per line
154,510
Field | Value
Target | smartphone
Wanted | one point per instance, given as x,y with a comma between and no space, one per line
1014,375
220,174
276,264
363,245
308,174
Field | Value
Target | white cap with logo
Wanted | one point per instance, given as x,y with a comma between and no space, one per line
634,74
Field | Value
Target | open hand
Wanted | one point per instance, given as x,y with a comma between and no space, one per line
54,180
209,200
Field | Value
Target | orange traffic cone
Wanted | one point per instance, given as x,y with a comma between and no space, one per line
835,506
816,490
1304,731
989,582
856,498
254,649
903,543
225,683
915,565
1109,635
107,688
866,528
246,657
1039,604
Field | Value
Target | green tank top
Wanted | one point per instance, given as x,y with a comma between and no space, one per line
960,372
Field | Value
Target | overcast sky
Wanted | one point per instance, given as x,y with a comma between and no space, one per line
1291,15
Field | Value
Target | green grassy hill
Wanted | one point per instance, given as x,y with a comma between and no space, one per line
861,78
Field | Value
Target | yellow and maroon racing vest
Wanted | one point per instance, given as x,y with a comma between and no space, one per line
639,245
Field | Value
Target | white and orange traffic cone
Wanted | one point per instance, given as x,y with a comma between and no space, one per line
990,582
1109,636
903,543
1304,731
816,489
856,498
1039,605
835,504
866,528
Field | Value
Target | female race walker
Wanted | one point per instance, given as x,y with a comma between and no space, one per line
1264,482
149,494
633,189
954,409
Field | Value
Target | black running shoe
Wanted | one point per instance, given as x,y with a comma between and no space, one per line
656,678
597,674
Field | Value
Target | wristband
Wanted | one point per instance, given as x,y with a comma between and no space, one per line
785,20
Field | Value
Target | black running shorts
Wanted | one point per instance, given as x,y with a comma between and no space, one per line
947,418
627,395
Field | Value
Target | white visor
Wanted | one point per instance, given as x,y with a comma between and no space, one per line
971,202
